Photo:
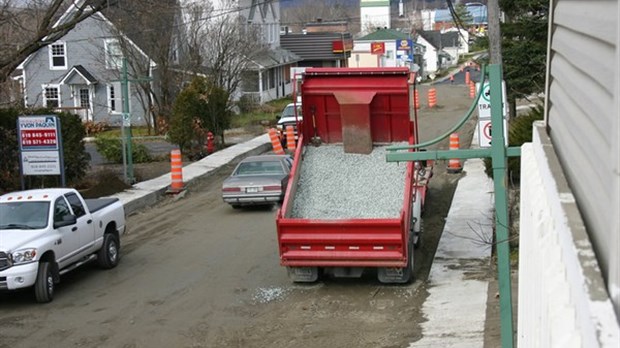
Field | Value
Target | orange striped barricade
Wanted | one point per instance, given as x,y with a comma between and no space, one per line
290,138
416,99
472,89
454,165
467,78
432,98
275,142
176,171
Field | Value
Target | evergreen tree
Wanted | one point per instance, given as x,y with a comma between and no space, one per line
524,47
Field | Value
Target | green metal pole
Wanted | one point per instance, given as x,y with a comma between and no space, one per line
498,156
127,116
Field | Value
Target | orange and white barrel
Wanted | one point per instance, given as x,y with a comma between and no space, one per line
176,171
290,138
275,142
454,165
432,98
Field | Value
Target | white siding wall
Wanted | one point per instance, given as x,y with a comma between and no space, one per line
582,115
562,297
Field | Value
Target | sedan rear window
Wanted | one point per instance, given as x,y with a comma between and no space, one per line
259,168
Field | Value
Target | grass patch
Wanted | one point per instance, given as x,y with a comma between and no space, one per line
261,114
118,132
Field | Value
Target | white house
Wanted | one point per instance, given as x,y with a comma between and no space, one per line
378,49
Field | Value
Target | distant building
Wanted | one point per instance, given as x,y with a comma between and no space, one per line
374,14
323,44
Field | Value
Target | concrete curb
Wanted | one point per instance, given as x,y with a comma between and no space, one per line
146,193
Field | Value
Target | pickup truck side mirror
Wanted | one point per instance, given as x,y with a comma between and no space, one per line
67,220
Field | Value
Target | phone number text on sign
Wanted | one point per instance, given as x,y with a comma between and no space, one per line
39,138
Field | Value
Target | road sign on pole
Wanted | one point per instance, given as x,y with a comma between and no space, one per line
484,103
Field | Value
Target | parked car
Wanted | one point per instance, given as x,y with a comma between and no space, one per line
288,118
258,180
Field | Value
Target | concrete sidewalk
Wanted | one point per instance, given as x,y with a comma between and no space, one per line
148,192
456,307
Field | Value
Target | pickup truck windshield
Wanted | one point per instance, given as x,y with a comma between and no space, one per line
24,215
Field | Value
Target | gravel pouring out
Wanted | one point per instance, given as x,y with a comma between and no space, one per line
338,185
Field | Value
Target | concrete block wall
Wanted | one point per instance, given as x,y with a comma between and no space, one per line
563,300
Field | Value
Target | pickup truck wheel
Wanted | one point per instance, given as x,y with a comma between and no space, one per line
44,284
108,255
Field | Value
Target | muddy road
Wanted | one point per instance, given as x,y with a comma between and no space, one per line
196,273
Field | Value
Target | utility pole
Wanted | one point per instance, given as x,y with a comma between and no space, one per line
127,151
500,181
495,35
126,125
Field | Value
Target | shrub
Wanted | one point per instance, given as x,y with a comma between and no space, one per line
76,159
93,128
247,103
112,150
520,131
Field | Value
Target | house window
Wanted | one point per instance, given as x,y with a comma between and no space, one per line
84,98
272,78
113,54
115,99
51,96
58,56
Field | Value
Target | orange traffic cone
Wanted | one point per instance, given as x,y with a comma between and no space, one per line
454,165
176,172
290,138
275,142
416,99
432,98
467,78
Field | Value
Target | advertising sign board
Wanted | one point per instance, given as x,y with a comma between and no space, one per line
40,145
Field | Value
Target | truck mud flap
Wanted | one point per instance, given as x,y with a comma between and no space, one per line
396,275
303,274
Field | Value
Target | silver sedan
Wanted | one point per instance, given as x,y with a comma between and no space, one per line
258,180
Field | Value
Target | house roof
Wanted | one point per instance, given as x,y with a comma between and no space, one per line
384,35
78,75
440,40
315,46
275,57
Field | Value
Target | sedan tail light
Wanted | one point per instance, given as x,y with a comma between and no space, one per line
231,189
272,188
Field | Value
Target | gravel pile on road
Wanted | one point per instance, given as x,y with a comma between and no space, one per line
337,185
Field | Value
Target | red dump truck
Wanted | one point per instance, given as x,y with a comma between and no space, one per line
346,209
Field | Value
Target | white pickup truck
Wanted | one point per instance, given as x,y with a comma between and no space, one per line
47,232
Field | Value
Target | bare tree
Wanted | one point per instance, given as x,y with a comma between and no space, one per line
38,23
159,37
223,45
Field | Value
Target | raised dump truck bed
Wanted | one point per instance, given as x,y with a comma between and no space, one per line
346,208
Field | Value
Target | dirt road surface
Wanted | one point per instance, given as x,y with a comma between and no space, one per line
196,273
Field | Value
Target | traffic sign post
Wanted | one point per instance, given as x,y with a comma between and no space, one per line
498,152
126,124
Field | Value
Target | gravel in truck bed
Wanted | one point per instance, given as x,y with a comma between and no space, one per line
338,185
